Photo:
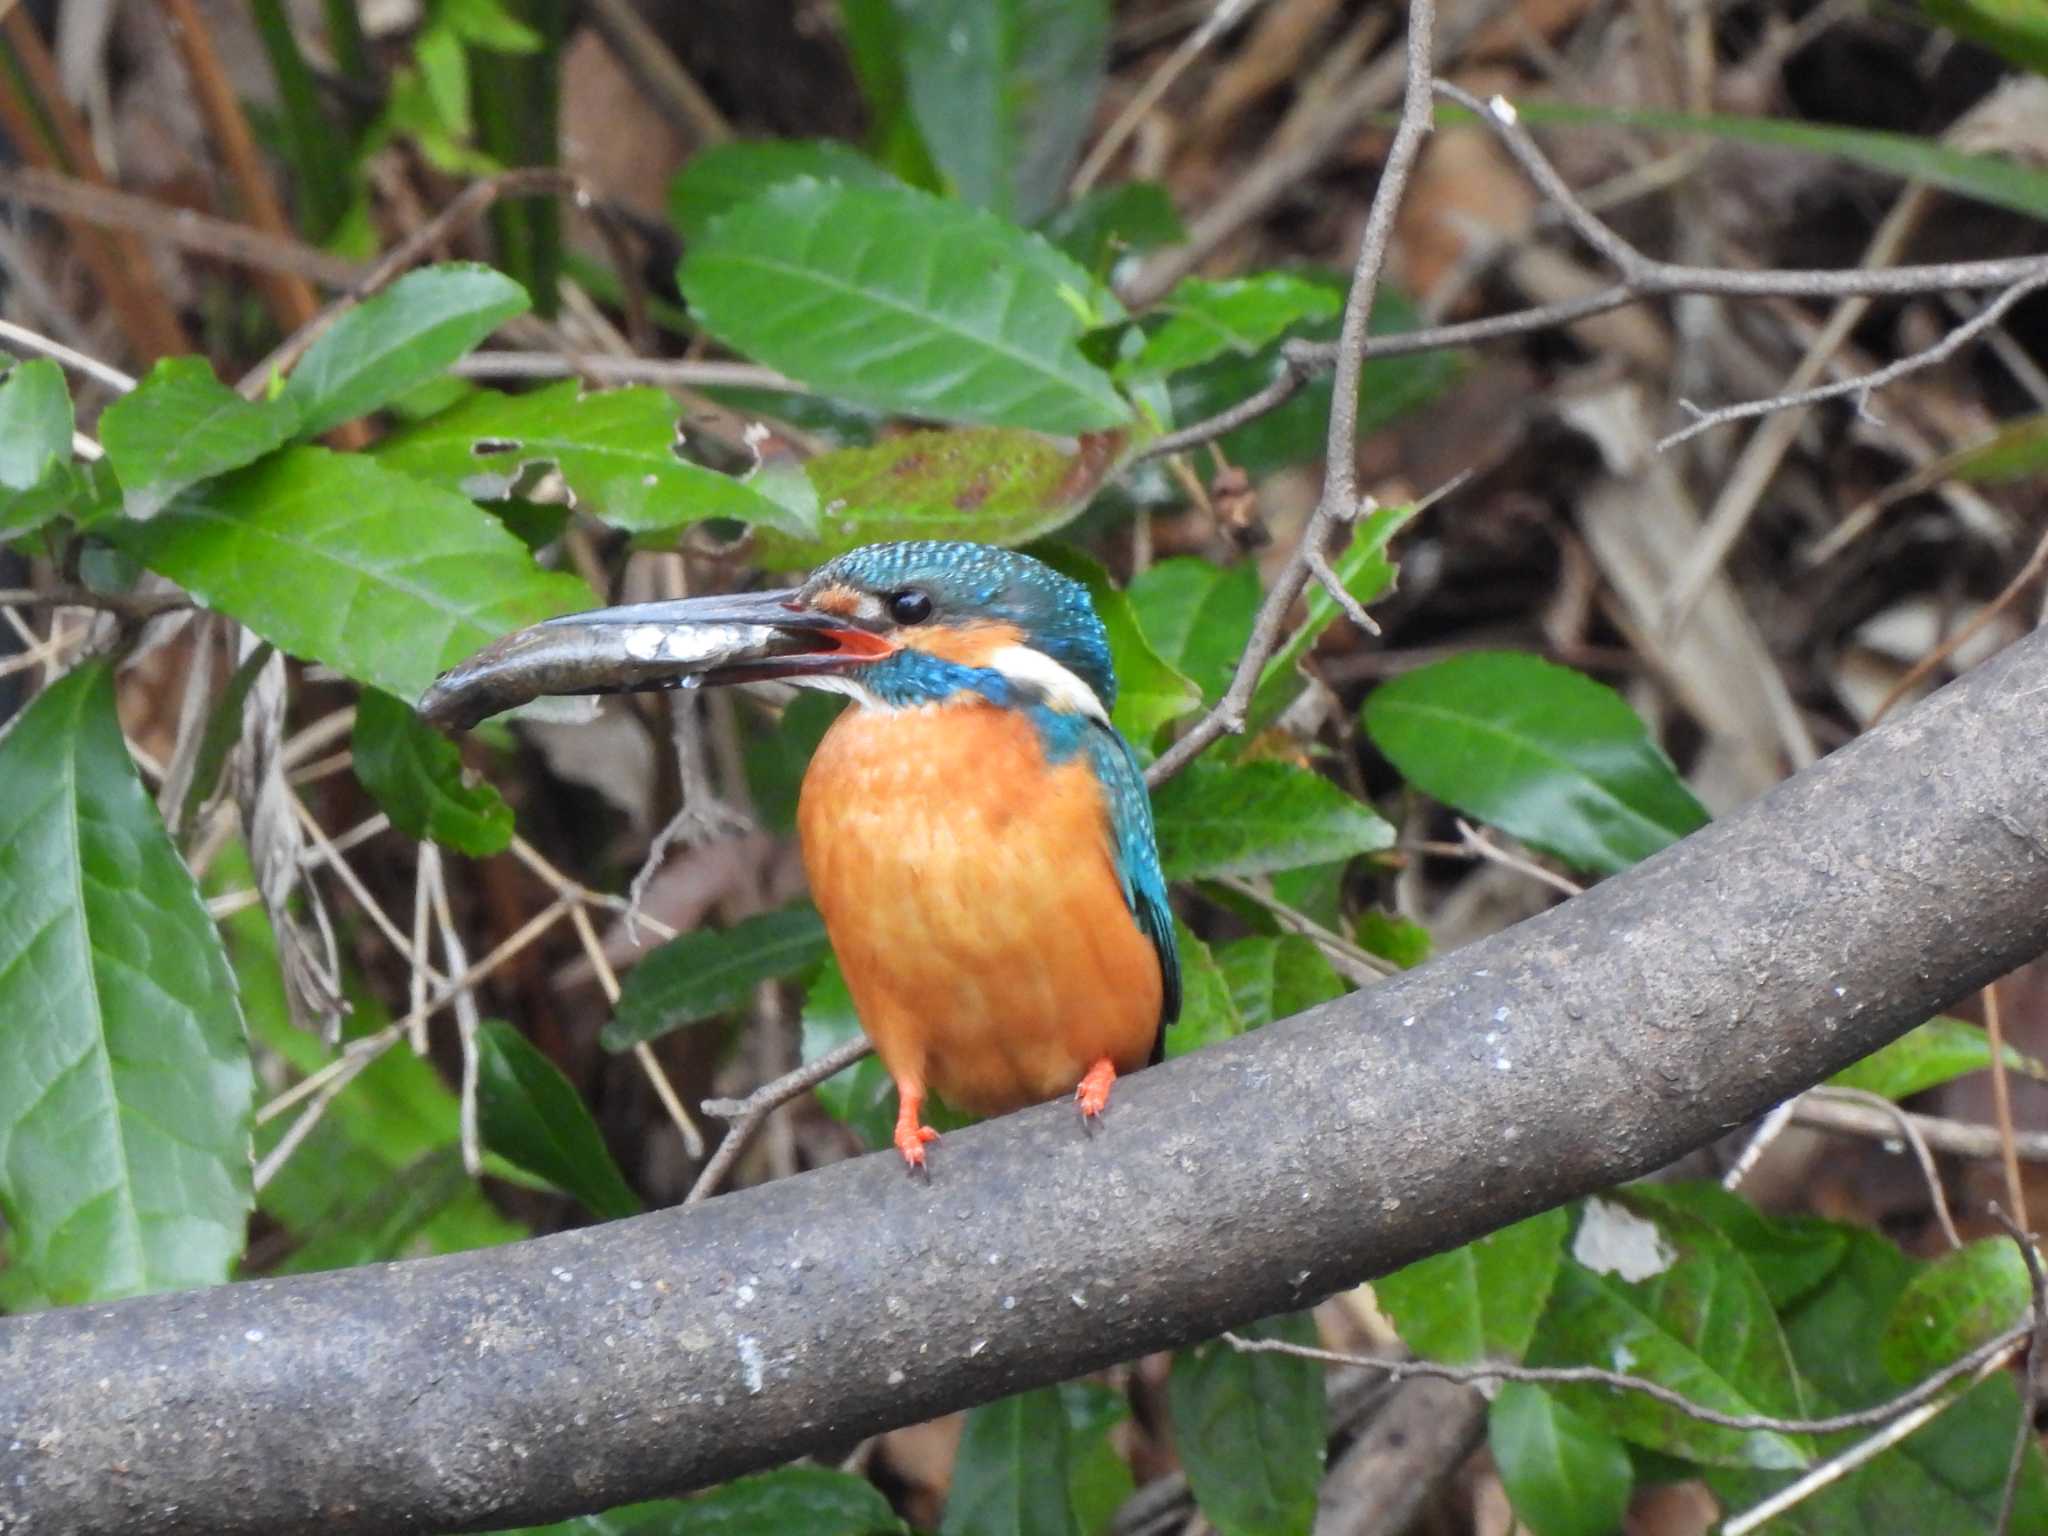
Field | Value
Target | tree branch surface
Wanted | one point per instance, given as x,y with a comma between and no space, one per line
576,1372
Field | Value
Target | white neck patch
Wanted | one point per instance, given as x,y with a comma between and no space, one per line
1063,689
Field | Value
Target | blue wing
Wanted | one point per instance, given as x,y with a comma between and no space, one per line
1137,860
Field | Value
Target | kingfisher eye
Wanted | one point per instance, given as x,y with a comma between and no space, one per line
910,606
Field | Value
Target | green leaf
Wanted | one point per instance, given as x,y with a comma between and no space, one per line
1946,1476
1564,1474
1953,1305
1217,819
777,758
1109,221
1208,1008
1481,1301
1791,1255
1206,320
1250,1430
813,1501
1004,92
989,485
320,177
415,773
874,36
1927,1056
2017,29
1364,571
36,480
1995,179
530,1115
722,177
1149,691
1276,977
334,558
1198,615
1696,1319
400,338
614,447
125,1089
702,974
1548,755
489,25
1098,1480
1298,432
1403,941
1010,1477
180,426
2018,450
895,299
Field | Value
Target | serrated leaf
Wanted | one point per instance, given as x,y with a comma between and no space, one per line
1953,1305
1946,1476
1276,977
1206,320
1564,1474
415,773
1004,92
702,974
1927,1056
1538,750
1481,1301
1364,571
125,1088
1217,819
1700,1324
721,177
891,298
1250,1429
813,1501
529,1114
615,448
988,485
1149,691
1208,1008
1010,1476
334,558
403,336
1199,616
180,426
1130,216
36,479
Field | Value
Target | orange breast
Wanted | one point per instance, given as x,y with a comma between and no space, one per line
971,895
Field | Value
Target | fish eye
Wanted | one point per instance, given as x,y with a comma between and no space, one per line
910,606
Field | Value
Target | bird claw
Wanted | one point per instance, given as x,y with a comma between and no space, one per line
1093,1093
910,1141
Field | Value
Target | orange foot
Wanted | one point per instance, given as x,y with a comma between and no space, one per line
1093,1094
911,1133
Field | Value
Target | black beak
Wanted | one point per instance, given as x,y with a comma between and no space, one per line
742,637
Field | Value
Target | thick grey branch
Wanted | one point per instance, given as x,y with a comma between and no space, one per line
1584,1047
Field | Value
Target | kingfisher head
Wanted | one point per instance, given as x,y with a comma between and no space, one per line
893,625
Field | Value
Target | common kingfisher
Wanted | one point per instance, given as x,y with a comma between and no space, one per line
976,832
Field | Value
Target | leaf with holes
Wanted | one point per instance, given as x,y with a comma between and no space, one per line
529,1114
724,176
891,298
1218,819
1538,750
1004,92
180,426
1206,320
700,975
615,448
1250,1430
415,773
400,338
1927,1056
1198,615
125,1088
990,485
1010,1474
1564,1474
1481,1301
335,558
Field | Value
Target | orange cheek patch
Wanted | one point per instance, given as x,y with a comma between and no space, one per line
970,645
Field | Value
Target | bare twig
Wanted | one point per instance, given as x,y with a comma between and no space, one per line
656,70
1361,966
1834,1109
78,362
749,1114
2001,1107
1213,26
599,368
2030,1375
643,1053
129,607
1910,1132
1985,1358
1913,675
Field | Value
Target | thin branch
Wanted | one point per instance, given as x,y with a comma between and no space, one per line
1981,1359
1214,25
1362,966
129,607
600,368
2001,1107
748,1115
643,1053
78,362
2030,1377
1832,1109
1910,1132
1915,674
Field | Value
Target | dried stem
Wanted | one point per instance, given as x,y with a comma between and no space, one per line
748,1115
2030,1377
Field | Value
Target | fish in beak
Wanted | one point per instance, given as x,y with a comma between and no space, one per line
737,638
